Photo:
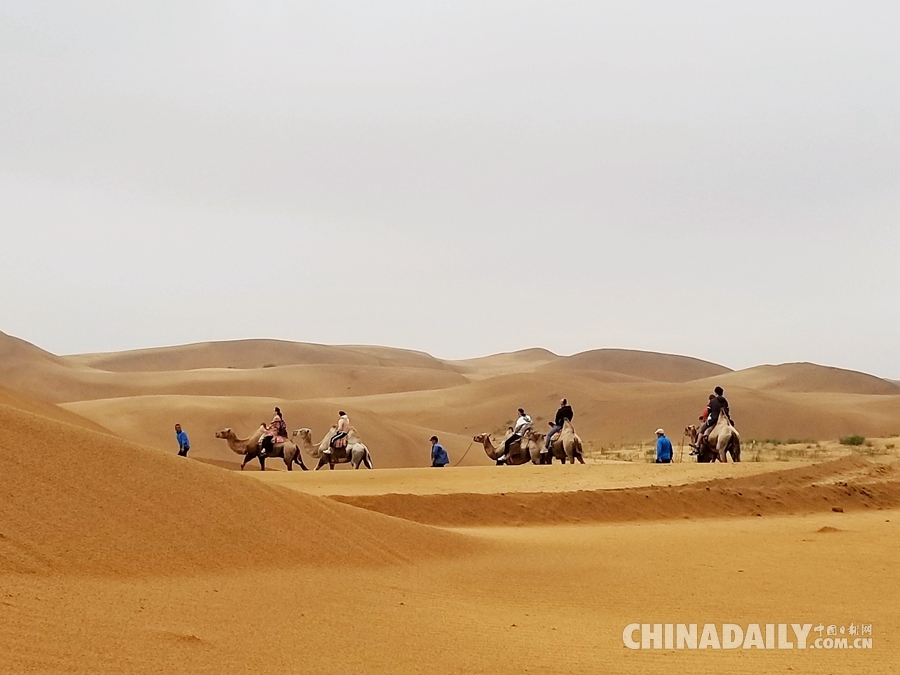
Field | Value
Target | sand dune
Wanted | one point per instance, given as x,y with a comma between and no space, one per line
45,409
116,558
638,364
398,398
808,378
150,419
250,354
848,484
74,500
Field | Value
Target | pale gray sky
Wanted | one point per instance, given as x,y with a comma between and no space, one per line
459,177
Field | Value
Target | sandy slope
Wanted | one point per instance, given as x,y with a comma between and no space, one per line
74,500
117,559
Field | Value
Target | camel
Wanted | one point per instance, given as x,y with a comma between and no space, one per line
533,443
565,446
249,448
355,452
517,454
723,439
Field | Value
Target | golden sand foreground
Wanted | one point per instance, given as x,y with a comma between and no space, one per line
117,558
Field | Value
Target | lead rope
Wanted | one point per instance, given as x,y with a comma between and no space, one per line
465,453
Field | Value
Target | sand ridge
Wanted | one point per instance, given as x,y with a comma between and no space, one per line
846,484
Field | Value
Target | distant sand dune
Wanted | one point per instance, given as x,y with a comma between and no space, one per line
638,364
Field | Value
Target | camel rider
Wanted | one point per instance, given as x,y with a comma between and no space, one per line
563,415
717,406
277,428
704,417
343,428
523,424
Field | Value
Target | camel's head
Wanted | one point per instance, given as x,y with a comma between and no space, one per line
481,438
304,434
691,432
225,433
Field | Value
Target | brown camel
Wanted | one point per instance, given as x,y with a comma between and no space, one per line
517,454
249,448
355,452
565,446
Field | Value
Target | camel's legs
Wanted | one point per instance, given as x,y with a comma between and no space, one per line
321,463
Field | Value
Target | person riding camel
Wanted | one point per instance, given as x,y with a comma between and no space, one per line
343,429
274,430
704,416
523,424
718,404
563,415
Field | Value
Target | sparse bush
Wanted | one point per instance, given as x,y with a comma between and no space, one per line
269,365
853,440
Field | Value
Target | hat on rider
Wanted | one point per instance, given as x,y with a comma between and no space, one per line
660,432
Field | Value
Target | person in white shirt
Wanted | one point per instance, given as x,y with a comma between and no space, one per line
523,424
343,428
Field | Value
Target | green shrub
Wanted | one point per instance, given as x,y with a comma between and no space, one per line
853,440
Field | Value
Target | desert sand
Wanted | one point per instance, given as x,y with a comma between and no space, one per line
116,556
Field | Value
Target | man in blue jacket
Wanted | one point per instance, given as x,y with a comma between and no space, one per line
663,448
184,443
438,454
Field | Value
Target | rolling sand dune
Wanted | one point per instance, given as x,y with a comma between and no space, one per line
149,420
398,398
117,559
45,409
808,378
76,501
643,365
251,354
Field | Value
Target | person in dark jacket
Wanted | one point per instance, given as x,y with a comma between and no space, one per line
717,406
563,415
184,443
438,454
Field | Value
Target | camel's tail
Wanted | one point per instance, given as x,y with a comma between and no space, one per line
368,460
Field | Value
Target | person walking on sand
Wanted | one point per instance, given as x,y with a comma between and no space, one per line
343,428
438,454
563,415
663,448
184,443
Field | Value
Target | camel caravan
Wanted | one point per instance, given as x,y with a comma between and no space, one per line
523,444
713,440
341,445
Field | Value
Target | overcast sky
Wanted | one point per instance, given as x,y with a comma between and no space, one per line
718,179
